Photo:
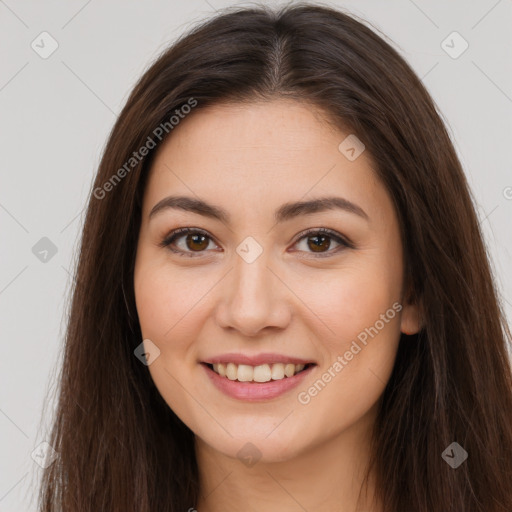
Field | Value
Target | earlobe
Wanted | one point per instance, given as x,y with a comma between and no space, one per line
410,322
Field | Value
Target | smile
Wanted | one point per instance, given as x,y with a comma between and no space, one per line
240,381
260,373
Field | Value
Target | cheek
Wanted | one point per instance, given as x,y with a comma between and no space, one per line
165,308
357,324
360,347
343,304
167,302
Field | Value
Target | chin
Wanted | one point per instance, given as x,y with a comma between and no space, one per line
248,446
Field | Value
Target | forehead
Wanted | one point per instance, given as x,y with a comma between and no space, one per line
260,155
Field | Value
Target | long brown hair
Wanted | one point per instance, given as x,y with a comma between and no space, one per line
121,448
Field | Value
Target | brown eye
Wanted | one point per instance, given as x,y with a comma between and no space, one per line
195,241
320,241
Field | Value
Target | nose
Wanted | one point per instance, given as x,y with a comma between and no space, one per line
253,298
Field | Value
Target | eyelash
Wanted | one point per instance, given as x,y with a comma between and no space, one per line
178,233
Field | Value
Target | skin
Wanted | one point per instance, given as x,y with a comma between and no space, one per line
249,160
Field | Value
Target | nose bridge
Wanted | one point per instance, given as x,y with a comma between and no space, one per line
252,301
251,278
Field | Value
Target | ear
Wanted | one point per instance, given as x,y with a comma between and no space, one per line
411,322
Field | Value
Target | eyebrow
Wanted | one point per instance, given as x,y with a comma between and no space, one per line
284,213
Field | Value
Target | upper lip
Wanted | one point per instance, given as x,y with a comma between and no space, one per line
257,359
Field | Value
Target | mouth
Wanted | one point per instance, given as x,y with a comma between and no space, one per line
266,381
267,372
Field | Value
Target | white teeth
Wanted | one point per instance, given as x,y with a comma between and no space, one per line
289,370
278,371
221,370
245,373
260,373
231,371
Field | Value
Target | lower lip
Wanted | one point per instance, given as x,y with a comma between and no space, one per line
255,391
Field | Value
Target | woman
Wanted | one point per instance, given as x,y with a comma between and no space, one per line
283,299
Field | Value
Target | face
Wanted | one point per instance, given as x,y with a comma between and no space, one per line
265,288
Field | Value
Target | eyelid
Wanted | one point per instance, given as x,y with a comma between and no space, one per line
342,240
178,233
338,237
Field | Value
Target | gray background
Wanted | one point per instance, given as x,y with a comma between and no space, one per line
56,114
